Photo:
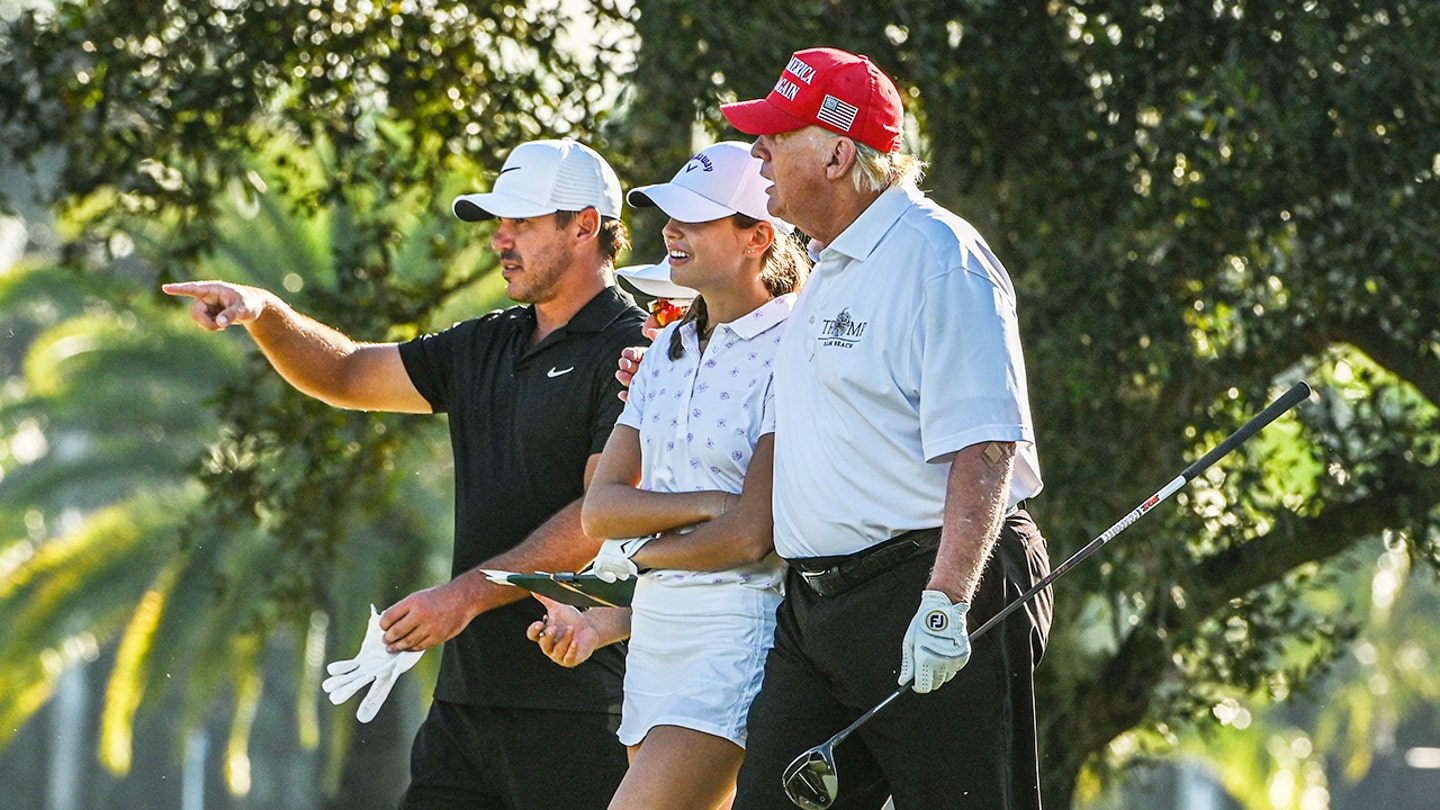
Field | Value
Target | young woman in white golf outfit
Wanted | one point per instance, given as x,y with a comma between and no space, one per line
690,460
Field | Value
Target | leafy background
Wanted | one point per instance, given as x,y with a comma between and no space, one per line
1199,202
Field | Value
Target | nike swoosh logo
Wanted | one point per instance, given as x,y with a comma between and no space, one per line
510,169
554,372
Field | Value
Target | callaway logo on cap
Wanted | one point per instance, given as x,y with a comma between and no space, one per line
723,179
831,88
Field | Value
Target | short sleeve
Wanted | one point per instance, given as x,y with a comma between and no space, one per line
767,417
972,370
634,413
429,360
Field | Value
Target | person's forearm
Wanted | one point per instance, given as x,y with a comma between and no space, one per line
743,534
612,625
620,510
308,354
557,545
725,542
324,363
975,499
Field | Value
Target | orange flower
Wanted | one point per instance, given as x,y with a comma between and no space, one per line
666,311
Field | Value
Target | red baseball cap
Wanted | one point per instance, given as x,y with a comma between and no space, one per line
831,88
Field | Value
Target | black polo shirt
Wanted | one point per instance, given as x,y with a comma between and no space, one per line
523,423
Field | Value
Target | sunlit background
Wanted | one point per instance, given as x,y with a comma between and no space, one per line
1199,202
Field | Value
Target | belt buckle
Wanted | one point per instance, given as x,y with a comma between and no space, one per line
820,583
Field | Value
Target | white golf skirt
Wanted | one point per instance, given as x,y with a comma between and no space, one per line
697,656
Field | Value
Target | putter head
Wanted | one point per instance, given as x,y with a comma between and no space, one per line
810,780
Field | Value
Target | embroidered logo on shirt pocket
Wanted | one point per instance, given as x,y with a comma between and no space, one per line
842,330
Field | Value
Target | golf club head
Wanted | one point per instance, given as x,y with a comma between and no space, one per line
810,780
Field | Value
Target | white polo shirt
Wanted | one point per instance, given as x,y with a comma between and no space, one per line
903,348
699,418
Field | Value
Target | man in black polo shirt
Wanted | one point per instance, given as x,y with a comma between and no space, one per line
531,396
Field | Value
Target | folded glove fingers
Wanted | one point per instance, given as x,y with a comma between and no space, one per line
934,670
375,698
334,682
343,688
610,570
342,667
613,560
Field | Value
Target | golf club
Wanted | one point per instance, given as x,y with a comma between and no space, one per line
811,780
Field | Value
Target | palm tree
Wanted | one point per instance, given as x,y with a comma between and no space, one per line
168,501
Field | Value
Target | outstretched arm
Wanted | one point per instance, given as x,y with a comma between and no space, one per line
317,359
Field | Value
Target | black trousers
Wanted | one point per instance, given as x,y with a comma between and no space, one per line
969,745
486,758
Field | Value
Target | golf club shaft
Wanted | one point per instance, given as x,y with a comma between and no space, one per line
1298,392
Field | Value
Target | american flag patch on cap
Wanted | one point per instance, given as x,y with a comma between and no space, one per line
837,113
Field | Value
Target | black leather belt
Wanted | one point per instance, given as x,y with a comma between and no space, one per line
830,576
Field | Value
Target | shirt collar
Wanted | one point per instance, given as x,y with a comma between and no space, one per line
763,317
753,323
598,313
858,240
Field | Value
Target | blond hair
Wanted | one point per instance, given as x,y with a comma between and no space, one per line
875,171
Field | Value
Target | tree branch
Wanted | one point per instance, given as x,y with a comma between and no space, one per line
1120,696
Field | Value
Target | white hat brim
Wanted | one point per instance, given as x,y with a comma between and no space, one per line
489,205
654,280
679,203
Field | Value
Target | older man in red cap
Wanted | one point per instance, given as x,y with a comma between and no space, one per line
904,451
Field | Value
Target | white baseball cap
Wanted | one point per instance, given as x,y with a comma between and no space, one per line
721,180
654,280
542,177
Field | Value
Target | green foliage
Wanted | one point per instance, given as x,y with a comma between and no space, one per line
1199,203
64,598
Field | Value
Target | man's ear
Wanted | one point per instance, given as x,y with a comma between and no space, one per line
586,224
840,158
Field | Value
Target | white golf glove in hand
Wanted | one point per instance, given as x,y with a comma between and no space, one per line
373,664
936,645
613,562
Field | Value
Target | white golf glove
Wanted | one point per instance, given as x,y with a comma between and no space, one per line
613,562
937,644
373,664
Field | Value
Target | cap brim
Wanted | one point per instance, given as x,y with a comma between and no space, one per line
478,207
679,203
760,117
654,280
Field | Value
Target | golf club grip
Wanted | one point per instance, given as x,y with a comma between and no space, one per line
1298,392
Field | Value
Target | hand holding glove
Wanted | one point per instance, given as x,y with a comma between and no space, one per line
937,644
613,562
373,664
